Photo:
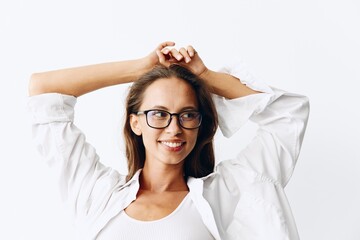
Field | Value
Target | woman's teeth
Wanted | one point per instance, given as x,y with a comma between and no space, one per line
172,144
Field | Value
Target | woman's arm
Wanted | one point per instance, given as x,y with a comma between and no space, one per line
281,118
226,85
86,185
81,80
221,84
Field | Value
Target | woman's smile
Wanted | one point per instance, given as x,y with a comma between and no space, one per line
174,146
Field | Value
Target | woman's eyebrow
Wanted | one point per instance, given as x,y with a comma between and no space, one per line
182,109
159,107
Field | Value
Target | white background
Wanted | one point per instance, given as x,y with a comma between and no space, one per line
308,47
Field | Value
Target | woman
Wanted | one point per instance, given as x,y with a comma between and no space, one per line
172,190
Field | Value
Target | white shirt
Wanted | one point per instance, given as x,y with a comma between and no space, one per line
184,223
243,199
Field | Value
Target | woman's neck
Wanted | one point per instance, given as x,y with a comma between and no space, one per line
162,178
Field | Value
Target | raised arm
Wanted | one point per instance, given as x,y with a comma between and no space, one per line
81,80
85,184
221,84
281,117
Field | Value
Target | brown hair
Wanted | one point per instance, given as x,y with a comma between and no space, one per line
200,161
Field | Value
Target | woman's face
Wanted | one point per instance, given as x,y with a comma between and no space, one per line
172,144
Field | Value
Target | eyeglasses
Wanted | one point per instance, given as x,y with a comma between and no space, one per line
161,119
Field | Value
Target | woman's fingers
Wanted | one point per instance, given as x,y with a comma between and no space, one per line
160,56
191,51
185,54
168,55
162,59
165,51
165,44
172,54
175,53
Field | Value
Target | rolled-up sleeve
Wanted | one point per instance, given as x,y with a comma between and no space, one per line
85,184
281,118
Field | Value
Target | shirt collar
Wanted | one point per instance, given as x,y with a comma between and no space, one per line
196,193
134,178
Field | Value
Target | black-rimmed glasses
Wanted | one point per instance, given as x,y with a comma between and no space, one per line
189,119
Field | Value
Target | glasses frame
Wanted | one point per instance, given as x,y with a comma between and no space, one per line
171,115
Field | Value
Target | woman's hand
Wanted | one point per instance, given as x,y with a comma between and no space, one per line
221,84
152,59
188,58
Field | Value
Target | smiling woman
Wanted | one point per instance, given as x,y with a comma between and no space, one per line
155,90
173,190
172,144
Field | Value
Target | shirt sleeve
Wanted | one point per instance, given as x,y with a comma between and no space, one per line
281,118
85,184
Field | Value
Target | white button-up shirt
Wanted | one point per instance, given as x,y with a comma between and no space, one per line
243,198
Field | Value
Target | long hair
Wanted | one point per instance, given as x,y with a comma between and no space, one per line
201,160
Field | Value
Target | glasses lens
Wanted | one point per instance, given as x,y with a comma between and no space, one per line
190,119
158,118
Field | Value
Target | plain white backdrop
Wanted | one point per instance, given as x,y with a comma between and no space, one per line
308,47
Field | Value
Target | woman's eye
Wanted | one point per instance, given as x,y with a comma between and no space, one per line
189,115
159,114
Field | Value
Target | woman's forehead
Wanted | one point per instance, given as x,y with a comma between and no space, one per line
170,93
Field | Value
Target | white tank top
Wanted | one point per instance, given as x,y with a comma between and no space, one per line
184,223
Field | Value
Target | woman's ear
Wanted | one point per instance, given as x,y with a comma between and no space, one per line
135,124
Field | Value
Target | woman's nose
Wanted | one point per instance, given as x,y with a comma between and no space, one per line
174,125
